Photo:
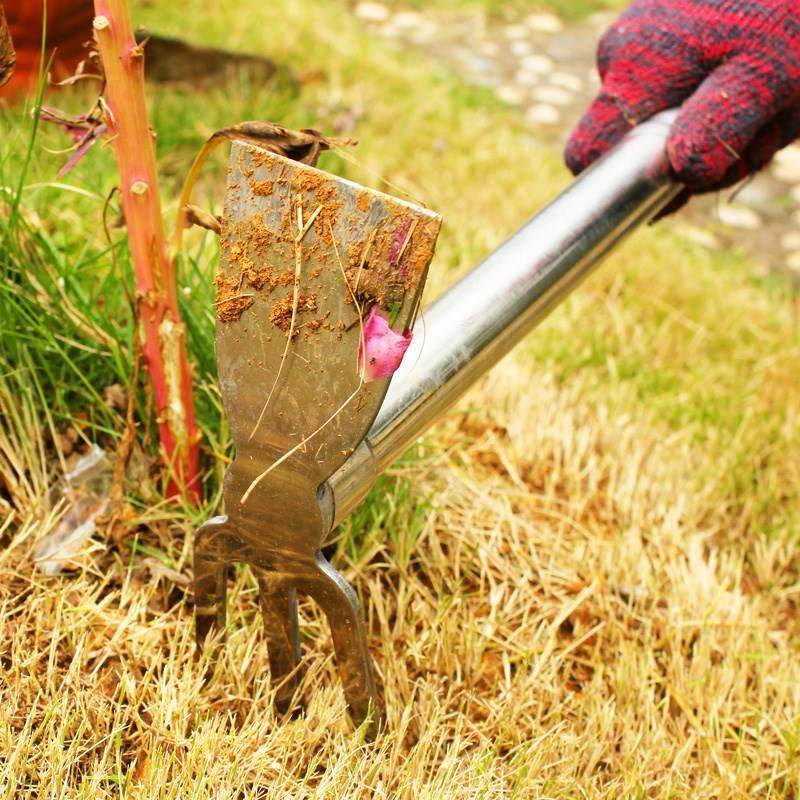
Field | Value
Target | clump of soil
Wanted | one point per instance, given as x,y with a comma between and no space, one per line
322,193
260,236
363,202
262,188
281,314
231,301
261,278
391,260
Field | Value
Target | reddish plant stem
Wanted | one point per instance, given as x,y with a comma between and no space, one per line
161,329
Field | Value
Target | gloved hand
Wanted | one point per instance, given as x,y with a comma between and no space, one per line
735,66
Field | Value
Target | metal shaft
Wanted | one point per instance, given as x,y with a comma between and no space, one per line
476,322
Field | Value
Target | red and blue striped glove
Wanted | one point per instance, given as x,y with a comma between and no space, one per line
734,65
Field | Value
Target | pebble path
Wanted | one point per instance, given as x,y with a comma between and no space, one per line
545,68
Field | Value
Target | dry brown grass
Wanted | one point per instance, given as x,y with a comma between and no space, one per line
565,624
582,584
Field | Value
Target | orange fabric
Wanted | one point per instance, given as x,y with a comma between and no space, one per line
69,28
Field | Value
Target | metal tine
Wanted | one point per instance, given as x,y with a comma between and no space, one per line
340,604
210,579
279,612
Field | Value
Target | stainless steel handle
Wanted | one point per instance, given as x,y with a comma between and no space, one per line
476,322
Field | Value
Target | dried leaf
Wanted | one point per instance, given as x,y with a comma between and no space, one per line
304,145
202,219
84,130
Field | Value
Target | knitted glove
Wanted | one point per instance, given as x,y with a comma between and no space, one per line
733,64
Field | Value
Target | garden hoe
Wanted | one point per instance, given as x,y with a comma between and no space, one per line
310,264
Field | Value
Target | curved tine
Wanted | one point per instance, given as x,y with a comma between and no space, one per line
339,602
279,611
210,579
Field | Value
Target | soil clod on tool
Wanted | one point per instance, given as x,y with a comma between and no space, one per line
307,259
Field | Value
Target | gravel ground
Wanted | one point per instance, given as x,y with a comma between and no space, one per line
545,68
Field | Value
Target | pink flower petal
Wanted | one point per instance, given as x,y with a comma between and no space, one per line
74,127
84,130
382,349
82,148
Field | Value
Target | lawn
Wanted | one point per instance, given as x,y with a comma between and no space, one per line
583,582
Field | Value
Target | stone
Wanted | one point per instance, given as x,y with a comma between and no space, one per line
372,12
794,193
392,31
736,216
544,23
791,240
570,47
756,194
516,31
521,47
786,164
796,218
553,95
509,93
526,78
488,48
408,19
566,80
536,63
542,114
699,236
484,69
602,19
793,262
425,32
